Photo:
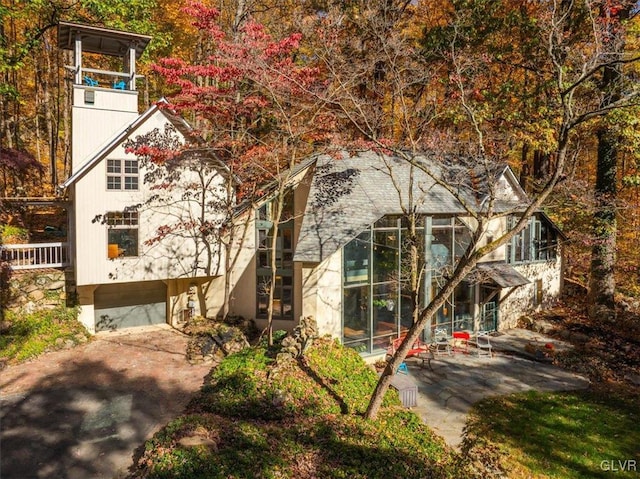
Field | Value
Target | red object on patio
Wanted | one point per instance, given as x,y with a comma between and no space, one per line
461,342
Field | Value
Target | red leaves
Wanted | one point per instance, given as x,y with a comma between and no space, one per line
205,18
250,97
19,161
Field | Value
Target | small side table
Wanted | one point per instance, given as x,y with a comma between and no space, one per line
407,389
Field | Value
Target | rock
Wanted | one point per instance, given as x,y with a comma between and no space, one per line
29,288
194,441
29,308
579,337
543,326
633,378
5,326
36,295
55,285
213,343
279,399
302,336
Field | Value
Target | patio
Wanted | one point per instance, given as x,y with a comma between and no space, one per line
447,391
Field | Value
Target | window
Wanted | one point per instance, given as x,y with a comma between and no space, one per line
122,234
282,283
538,292
537,242
122,175
377,303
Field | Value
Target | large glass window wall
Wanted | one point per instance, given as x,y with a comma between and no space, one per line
377,299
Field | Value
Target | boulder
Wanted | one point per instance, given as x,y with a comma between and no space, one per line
211,342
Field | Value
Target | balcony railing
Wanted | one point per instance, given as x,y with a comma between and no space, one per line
35,255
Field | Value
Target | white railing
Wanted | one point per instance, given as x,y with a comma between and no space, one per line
35,255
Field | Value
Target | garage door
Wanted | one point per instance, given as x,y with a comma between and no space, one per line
130,304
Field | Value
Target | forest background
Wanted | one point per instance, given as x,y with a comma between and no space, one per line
498,51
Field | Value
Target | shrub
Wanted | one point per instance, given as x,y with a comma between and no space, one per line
10,234
34,333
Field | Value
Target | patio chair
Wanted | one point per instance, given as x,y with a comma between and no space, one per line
441,343
120,85
483,344
461,342
90,81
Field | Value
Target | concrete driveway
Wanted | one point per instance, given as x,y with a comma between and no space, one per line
448,390
81,413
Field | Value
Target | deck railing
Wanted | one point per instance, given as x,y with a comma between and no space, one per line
35,255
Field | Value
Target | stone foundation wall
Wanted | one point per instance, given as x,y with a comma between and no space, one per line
40,289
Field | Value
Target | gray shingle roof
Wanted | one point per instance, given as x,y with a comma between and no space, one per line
350,193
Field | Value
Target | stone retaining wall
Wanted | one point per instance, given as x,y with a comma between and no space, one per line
37,289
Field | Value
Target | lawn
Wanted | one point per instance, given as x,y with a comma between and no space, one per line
582,434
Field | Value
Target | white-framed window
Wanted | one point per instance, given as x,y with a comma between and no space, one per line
122,233
537,242
122,175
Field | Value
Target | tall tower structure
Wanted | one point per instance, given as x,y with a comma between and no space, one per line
104,101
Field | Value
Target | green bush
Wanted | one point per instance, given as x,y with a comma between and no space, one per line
34,333
13,234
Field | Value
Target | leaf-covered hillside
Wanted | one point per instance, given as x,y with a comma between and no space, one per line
256,418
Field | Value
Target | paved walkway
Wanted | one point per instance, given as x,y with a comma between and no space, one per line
446,393
81,413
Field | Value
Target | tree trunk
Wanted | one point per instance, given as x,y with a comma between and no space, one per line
602,282
279,204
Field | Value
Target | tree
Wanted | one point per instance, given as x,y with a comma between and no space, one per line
612,85
189,186
245,98
18,169
571,63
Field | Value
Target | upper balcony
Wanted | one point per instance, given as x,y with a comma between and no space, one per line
83,39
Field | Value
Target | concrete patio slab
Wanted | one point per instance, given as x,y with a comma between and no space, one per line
448,390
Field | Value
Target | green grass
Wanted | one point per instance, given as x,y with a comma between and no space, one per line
32,334
559,435
259,419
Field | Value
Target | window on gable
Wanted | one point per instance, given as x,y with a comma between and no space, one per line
537,242
122,234
122,175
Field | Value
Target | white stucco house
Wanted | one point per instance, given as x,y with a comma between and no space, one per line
341,255
343,252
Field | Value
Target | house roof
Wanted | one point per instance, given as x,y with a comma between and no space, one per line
101,40
502,274
292,177
349,194
127,131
